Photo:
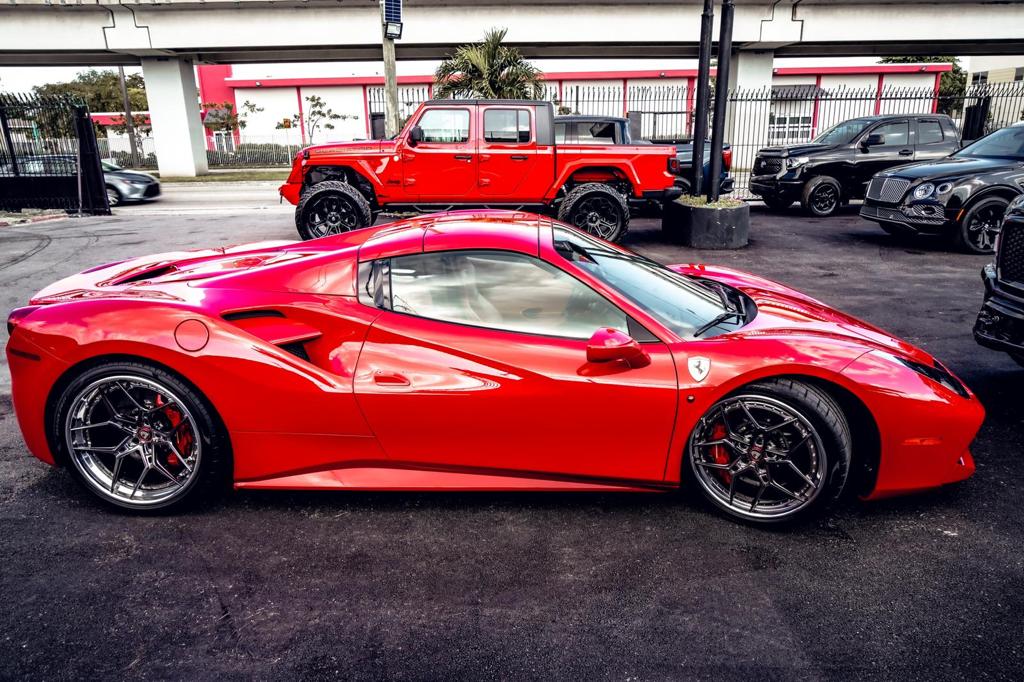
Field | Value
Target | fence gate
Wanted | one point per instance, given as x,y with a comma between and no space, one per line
48,156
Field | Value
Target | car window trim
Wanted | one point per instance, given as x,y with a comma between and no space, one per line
469,128
530,127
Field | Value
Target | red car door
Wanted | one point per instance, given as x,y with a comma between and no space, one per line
443,166
478,362
514,165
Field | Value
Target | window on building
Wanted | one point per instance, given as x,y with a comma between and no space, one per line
1018,73
894,133
445,126
499,290
979,78
928,131
506,125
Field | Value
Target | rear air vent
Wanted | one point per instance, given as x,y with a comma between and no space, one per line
297,349
251,314
146,275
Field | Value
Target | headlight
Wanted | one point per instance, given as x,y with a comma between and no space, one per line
924,191
797,161
944,188
936,373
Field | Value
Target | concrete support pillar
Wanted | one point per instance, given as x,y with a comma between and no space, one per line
750,78
174,112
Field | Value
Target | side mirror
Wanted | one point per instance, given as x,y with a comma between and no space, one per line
608,345
873,140
415,136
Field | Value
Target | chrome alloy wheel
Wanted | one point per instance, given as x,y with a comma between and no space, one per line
758,457
133,440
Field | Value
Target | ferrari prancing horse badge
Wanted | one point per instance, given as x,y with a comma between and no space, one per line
699,368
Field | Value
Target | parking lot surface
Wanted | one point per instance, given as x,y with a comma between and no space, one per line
517,586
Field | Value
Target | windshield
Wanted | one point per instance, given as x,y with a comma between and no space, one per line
1007,143
680,303
843,133
109,167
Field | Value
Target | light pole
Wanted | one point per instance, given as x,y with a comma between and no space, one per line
700,113
721,98
391,28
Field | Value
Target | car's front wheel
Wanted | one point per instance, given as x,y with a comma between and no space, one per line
331,207
774,451
977,230
139,438
114,197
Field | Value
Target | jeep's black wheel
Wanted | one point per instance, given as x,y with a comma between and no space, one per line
976,232
597,209
776,203
822,196
331,207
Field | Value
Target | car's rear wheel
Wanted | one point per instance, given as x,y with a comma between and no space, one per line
331,207
137,437
597,209
977,230
776,203
822,196
774,451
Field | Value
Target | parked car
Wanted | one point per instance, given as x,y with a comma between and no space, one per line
1000,323
962,197
128,185
579,129
463,153
473,350
837,165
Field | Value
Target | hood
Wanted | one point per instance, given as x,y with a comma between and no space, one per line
782,311
355,148
796,149
952,167
134,176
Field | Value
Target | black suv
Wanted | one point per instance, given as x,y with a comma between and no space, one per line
1000,323
836,166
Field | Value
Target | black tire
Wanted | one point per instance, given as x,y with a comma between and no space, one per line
114,197
597,209
1018,358
776,203
829,446
977,230
822,196
331,207
213,465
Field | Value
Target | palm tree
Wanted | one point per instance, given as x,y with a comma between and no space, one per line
488,70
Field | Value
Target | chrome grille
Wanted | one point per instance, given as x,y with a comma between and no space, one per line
1011,252
889,190
767,166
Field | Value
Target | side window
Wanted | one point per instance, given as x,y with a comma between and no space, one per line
498,290
949,128
928,131
601,132
506,125
445,126
894,133
560,132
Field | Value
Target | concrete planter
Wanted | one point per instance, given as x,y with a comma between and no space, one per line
701,227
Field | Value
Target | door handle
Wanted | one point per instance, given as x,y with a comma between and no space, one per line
390,379
519,157
906,152
463,157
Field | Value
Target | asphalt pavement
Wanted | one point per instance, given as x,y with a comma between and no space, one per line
525,586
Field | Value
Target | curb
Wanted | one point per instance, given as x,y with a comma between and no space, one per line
11,222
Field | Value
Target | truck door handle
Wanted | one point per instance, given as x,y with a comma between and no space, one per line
906,152
463,157
390,379
519,157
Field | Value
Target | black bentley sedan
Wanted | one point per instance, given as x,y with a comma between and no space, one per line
1000,323
962,197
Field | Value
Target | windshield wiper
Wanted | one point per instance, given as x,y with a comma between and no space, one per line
719,319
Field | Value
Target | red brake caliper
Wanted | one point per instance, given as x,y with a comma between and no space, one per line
182,439
720,453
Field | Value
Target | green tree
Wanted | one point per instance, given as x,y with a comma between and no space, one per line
488,70
100,90
317,115
952,85
222,116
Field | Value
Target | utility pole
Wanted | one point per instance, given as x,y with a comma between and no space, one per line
128,122
700,114
388,22
721,98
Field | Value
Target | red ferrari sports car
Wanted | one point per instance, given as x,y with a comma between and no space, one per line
473,350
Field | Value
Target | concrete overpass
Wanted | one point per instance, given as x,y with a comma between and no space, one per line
168,36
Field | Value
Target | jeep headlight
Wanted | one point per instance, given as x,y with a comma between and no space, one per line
923,191
944,188
796,161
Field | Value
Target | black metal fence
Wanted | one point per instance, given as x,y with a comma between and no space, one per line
48,155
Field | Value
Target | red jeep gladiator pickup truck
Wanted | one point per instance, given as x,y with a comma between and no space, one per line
473,153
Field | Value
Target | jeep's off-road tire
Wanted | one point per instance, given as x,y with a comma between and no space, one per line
331,207
597,209
822,196
139,437
775,451
977,230
776,203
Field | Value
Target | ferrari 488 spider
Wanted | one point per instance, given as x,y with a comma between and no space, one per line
475,351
